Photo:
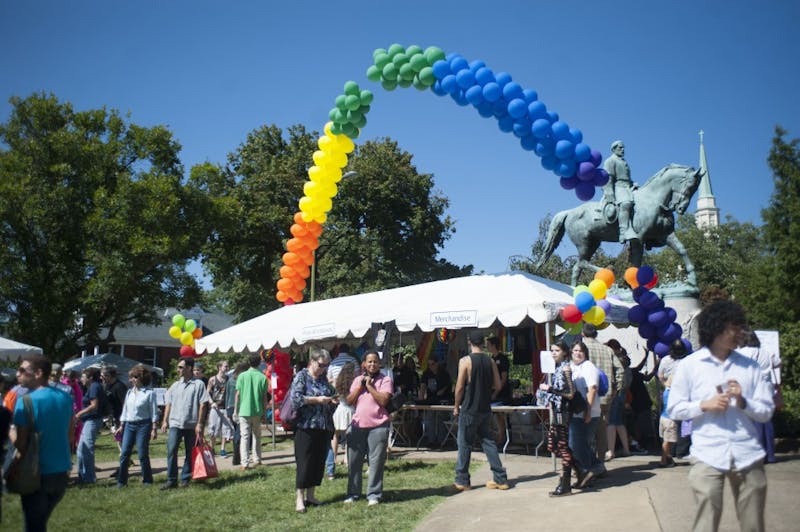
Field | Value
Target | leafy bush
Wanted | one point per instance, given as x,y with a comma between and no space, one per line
787,420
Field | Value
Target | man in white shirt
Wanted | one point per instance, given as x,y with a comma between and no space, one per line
723,392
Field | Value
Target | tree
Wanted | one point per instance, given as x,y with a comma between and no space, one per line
96,227
384,230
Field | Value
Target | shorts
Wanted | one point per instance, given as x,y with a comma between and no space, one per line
219,424
616,413
668,429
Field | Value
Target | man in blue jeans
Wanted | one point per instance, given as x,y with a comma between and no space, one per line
186,406
53,420
478,382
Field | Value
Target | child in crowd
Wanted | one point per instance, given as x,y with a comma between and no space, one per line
667,429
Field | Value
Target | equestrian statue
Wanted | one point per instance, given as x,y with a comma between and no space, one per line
644,216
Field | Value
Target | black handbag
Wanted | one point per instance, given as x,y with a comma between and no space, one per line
396,402
578,403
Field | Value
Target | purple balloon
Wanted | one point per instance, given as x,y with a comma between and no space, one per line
671,333
567,183
638,292
545,147
517,107
646,330
651,344
658,318
597,157
671,313
644,274
637,314
605,305
586,171
584,191
661,349
687,344
649,300
600,177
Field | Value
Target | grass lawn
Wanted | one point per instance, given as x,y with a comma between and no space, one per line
261,499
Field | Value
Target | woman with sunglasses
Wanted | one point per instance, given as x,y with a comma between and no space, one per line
138,423
314,400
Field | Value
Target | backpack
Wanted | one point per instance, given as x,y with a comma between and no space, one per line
602,382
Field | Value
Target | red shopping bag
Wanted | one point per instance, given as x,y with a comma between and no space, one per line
203,464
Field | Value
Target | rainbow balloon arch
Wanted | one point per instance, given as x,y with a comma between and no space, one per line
517,110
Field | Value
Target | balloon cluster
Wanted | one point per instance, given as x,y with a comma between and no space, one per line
350,113
187,332
404,67
519,111
656,322
590,304
298,258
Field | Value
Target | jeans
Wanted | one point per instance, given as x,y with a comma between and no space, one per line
330,465
374,441
250,444
471,426
38,506
174,438
237,457
580,433
86,472
138,431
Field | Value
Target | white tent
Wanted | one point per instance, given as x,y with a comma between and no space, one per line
11,350
475,301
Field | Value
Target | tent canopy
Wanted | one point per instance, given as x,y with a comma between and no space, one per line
11,350
475,301
123,365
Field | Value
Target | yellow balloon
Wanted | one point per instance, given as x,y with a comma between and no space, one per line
315,173
175,331
305,204
595,315
307,217
346,143
321,218
338,158
578,289
320,158
310,188
598,289
325,204
327,129
327,144
187,338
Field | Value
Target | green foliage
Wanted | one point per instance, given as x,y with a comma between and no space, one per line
787,420
97,227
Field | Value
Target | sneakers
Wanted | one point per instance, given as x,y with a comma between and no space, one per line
223,453
373,502
492,485
462,487
351,499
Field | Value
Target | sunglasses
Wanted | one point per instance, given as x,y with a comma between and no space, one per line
181,367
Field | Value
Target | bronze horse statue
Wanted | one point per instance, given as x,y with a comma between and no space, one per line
669,190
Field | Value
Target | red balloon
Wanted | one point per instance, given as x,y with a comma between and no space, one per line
289,301
571,314
187,351
652,283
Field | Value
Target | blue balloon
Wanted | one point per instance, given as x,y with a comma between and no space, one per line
649,300
688,345
502,78
671,333
564,149
584,301
637,314
538,111
458,63
474,94
646,330
671,313
465,79
476,65
576,134
661,349
485,110
658,318
561,130
459,98
522,128
528,143
437,89
545,147
568,183
506,124
492,92
583,153
600,177
638,292
512,90
541,128
566,168
530,95
651,344
584,191
441,69
517,107
452,55
549,162
644,274
552,116
500,108
450,84
484,76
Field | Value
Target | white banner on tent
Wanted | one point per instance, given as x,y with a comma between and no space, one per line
323,330
455,318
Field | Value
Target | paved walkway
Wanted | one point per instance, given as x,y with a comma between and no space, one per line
636,495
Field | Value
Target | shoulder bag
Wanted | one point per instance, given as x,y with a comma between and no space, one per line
23,475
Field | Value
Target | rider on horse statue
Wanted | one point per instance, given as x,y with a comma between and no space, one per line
618,193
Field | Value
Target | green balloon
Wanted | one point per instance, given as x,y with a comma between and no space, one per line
433,54
336,129
383,60
427,77
389,84
374,73
418,62
189,326
365,97
340,102
353,116
178,320
413,50
407,72
404,83
418,84
351,87
338,116
350,130
352,102
377,52
364,109
361,123
400,60
332,114
396,49
390,72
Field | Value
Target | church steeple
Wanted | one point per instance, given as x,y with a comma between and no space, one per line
707,213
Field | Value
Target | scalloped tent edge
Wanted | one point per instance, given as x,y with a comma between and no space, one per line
509,298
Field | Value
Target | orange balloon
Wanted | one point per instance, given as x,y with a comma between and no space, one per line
286,271
302,270
285,284
298,297
299,283
630,276
281,296
298,218
311,243
197,333
298,231
314,228
605,275
308,259
290,258
294,244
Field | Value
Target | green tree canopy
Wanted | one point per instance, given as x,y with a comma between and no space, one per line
96,227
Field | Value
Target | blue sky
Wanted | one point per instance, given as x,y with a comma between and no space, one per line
650,73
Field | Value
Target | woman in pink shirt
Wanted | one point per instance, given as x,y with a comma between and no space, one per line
369,429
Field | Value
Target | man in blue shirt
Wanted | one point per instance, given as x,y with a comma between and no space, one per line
53,420
723,392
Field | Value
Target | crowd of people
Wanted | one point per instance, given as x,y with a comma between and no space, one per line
599,406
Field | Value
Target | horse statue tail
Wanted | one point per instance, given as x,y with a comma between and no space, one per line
554,236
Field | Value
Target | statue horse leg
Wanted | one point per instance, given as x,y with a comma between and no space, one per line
677,245
585,252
